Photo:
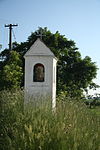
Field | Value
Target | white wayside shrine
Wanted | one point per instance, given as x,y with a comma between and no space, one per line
40,72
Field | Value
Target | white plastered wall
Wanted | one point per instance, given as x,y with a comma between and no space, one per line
46,88
54,83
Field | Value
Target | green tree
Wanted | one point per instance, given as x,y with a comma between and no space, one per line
11,73
74,74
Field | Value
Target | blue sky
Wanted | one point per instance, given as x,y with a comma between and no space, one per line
78,20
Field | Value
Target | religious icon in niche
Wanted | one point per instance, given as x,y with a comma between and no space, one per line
38,73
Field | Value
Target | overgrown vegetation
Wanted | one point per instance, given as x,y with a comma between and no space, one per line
36,127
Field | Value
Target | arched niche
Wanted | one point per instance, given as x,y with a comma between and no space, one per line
38,73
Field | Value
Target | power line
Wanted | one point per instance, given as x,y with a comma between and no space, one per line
10,34
0,46
14,35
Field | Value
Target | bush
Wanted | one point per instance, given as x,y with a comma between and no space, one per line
36,127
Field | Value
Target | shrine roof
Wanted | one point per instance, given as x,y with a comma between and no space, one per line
39,49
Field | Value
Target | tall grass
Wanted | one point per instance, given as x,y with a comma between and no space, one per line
36,127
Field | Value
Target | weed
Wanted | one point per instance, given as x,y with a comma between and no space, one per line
37,127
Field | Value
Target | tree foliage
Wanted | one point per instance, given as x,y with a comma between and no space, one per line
73,73
11,74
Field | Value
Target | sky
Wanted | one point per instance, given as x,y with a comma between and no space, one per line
78,20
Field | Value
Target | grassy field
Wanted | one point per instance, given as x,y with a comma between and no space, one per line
95,110
72,126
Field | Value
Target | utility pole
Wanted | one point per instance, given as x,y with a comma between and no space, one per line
10,34
0,46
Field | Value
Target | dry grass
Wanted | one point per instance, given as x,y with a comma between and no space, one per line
37,127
